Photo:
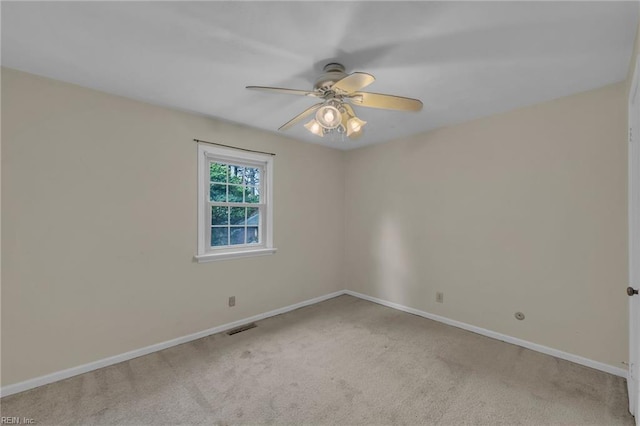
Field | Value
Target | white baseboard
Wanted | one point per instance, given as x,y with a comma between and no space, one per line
105,362
498,336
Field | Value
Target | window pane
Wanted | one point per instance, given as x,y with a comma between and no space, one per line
237,215
235,194
237,235
220,215
218,172
218,192
252,235
251,194
219,236
252,176
253,216
235,174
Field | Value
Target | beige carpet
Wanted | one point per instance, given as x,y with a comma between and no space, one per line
344,361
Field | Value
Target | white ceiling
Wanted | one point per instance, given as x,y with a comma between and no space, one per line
464,60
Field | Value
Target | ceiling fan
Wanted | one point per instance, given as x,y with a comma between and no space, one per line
338,90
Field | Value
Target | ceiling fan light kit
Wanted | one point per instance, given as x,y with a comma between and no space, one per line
334,116
338,89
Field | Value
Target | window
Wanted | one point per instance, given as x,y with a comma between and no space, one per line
234,203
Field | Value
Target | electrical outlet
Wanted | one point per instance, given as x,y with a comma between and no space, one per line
440,297
232,301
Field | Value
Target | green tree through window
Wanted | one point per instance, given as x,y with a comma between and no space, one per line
232,190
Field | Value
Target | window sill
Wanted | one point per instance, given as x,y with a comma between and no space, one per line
210,257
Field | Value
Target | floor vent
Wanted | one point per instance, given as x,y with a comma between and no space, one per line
241,328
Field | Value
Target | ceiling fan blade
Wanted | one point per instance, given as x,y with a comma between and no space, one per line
298,118
353,82
378,100
284,91
350,110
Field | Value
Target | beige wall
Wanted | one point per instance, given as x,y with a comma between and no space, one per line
523,211
99,227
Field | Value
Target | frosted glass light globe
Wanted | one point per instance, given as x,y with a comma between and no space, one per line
329,117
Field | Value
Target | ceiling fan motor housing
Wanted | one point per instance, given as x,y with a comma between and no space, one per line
333,73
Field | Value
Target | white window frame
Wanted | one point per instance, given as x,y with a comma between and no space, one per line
207,154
